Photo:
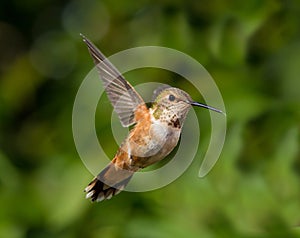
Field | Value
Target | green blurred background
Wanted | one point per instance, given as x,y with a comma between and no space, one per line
252,50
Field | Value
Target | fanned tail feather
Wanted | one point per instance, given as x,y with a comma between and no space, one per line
98,190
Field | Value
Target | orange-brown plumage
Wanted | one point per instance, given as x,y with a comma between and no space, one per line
155,133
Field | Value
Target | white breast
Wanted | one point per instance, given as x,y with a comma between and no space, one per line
163,139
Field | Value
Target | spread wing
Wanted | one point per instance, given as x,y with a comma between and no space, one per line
122,95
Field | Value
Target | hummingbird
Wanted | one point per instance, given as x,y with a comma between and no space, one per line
155,133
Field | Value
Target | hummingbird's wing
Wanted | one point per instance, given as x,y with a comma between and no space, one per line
122,95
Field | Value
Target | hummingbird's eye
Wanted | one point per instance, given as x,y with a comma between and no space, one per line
171,97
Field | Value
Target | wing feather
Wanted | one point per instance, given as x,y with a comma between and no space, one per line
122,95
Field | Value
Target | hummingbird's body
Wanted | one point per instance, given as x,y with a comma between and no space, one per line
155,134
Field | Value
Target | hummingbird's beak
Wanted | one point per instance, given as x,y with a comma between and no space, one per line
198,104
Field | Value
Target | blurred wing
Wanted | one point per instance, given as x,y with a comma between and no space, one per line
122,95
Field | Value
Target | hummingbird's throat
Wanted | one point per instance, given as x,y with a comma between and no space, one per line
174,123
165,116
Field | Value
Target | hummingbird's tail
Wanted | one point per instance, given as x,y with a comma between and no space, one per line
109,182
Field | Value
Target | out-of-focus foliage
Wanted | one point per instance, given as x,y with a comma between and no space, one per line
252,50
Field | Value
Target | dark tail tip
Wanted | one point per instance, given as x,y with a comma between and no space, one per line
99,191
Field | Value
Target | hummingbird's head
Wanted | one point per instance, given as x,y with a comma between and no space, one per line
171,105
